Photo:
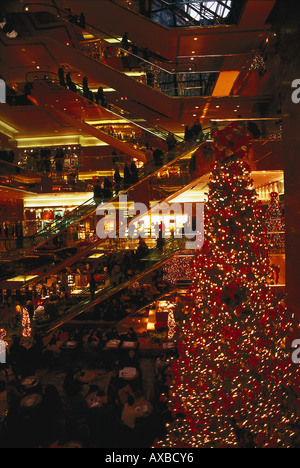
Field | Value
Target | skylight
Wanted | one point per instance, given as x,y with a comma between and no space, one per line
211,11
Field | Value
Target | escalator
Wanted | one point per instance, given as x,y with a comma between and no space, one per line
180,77
90,114
23,246
139,96
31,243
84,303
179,170
159,25
162,184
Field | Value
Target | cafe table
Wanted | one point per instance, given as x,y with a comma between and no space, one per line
129,345
95,401
31,400
128,373
168,345
69,344
86,376
31,384
112,344
143,408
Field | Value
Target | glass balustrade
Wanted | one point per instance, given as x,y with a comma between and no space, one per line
157,76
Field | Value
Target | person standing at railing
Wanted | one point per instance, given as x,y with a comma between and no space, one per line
213,128
107,188
81,22
59,160
253,128
127,176
118,180
100,98
125,42
93,286
158,157
61,77
70,84
98,193
85,87
171,141
188,134
134,172
148,153
196,130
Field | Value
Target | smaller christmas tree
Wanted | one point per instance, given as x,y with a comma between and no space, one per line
275,224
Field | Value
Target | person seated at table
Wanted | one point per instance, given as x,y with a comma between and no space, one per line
102,340
131,335
53,347
77,404
129,413
112,334
63,335
131,360
160,364
51,409
116,276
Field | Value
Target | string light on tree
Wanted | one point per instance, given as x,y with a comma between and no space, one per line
178,268
233,381
26,324
275,224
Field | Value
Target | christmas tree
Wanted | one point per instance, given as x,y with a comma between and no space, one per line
233,383
275,224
